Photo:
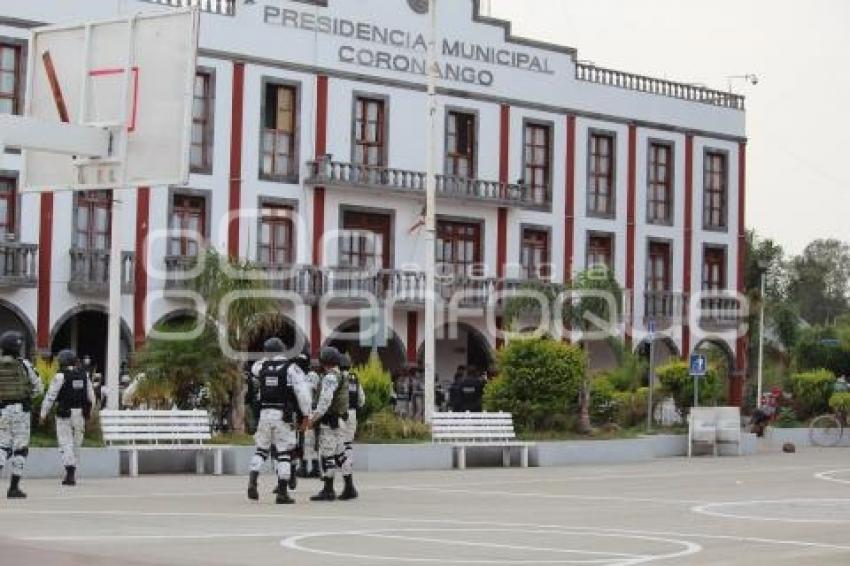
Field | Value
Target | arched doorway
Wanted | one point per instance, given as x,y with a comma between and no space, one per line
280,326
602,355
13,318
664,350
391,352
85,330
466,347
720,356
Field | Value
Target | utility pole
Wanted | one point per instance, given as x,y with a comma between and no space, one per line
431,217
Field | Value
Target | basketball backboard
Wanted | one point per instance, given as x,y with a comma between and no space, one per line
79,76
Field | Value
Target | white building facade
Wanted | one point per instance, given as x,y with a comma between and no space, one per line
309,151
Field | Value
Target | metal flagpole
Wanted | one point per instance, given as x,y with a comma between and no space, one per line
431,217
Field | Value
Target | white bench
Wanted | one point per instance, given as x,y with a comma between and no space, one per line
714,426
140,431
475,430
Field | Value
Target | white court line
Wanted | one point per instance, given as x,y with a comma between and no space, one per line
689,548
709,509
414,521
557,496
118,538
827,476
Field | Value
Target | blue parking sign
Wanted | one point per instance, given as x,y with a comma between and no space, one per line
699,365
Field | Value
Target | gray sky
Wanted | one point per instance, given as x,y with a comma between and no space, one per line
798,120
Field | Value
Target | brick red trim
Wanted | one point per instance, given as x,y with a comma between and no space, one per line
689,237
630,227
45,265
236,126
736,384
502,243
504,172
140,295
570,209
412,338
319,201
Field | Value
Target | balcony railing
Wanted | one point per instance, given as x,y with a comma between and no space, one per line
719,313
663,306
18,265
222,7
177,269
327,172
649,85
715,313
90,272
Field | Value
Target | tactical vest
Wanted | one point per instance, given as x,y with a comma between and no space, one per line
275,392
353,392
15,385
73,394
339,405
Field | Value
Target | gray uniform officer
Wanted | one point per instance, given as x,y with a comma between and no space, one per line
356,400
331,409
19,383
284,401
72,391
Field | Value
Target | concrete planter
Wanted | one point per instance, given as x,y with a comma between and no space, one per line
44,463
799,436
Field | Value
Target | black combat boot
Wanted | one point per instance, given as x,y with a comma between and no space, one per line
293,477
316,472
15,489
302,469
349,492
253,493
282,496
70,476
327,493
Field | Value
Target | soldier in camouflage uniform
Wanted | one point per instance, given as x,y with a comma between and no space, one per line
330,413
19,383
356,400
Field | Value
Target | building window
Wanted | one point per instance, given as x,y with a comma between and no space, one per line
187,226
458,249
714,269
276,243
11,78
8,202
716,173
202,124
92,220
660,186
538,168
600,192
534,255
658,268
369,133
277,153
366,240
600,252
460,145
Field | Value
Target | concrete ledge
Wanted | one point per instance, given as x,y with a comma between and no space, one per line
402,457
799,436
592,452
44,463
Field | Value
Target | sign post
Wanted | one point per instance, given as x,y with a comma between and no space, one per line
698,368
651,338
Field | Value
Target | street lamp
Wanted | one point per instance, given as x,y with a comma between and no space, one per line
763,267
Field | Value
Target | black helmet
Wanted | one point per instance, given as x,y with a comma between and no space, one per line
274,344
344,362
12,342
66,358
303,362
329,356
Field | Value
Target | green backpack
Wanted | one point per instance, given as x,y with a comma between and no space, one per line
14,383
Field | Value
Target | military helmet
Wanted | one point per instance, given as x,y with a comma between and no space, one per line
329,356
12,342
274,344
344,362
66,358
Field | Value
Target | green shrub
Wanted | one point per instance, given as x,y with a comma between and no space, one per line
377,385
812,391
840,402
631,407
787,418
385,426
603,403
675,381
537,378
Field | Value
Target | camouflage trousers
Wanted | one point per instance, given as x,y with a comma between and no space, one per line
332,449
349,430
14,438
273,430
69,435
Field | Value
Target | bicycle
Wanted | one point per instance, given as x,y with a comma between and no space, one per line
827,430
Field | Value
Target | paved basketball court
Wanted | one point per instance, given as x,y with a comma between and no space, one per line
770,509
